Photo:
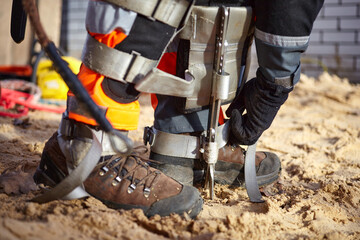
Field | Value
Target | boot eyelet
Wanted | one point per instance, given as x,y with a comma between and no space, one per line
103,171
116,181
131,188
146,192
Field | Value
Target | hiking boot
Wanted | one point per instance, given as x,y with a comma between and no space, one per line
229,168
123,183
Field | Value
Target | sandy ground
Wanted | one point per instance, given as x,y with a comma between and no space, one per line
316,134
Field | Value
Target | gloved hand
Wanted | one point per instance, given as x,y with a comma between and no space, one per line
262,100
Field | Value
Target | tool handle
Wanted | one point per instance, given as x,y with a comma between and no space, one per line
72,81
80,92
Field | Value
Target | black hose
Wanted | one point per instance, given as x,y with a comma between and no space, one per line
76,87
71,79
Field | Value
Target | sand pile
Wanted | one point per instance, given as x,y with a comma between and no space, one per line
316,134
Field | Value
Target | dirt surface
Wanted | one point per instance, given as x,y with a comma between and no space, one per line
316,134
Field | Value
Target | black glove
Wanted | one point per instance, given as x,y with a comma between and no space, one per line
262,100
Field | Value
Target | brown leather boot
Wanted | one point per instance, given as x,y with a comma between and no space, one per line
124,182
229,168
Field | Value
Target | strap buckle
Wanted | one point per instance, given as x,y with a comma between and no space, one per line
149,135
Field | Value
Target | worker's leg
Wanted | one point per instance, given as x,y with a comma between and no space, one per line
175,125
118,181
280,36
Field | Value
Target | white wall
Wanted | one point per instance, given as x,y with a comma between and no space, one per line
335,40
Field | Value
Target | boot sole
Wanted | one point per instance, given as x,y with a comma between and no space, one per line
226,174
196,203
231,177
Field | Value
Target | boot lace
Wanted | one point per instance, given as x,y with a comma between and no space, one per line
117,164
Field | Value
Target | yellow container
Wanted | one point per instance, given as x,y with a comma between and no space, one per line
50,82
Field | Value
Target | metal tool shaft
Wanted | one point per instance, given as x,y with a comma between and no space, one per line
211,147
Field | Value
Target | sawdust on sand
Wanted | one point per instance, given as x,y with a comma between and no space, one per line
316,134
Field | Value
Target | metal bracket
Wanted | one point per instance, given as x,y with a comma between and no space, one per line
251,184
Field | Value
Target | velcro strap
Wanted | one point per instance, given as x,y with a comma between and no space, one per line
170,12
185,146
288,81
284,81
160,82
113,63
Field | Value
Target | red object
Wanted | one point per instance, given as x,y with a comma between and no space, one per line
11,99
17,70
167,64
